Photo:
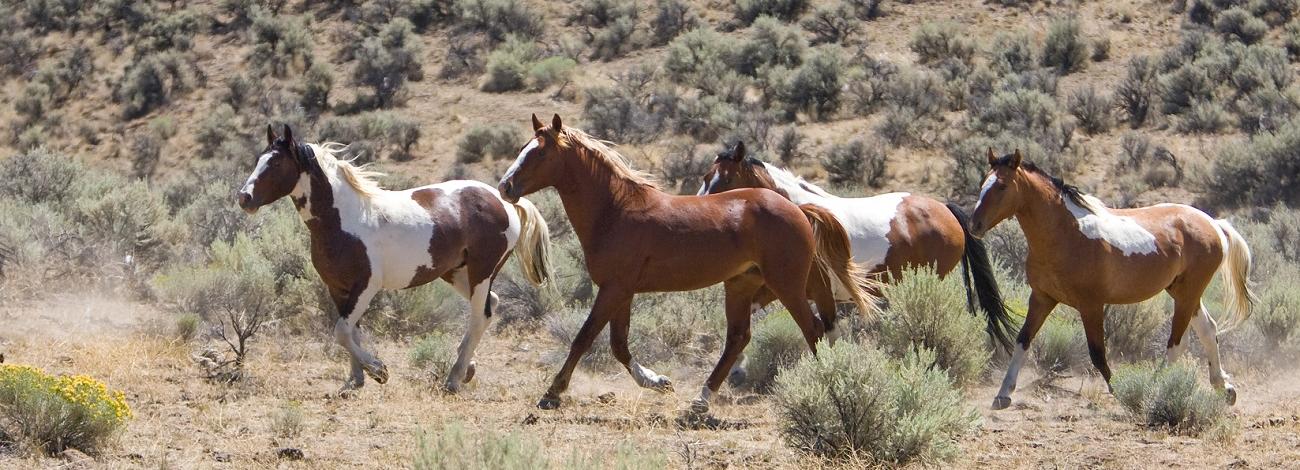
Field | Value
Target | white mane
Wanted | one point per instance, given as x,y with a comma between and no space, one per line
792,184
371,202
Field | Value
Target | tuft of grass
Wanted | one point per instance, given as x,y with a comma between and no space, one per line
1131,329
928,312
487,141
777,343
1171,396
287,419
453,447
187,325
434,352
48,414
1060,346
853,402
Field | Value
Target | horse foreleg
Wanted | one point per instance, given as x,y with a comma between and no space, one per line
1094,320
478,316
1040,306
351,307
608,301
757,311
619,324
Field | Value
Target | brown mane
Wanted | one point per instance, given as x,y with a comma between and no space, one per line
1066,190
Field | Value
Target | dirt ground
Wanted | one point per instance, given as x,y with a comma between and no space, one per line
183,421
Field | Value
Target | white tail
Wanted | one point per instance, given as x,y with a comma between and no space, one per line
1235,269
534,243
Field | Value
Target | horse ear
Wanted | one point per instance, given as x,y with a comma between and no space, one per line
288,135
270,134
738,153
1015,159
993,159
537,124
556,125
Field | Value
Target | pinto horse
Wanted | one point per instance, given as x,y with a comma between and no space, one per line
1085,255
636,238
365,238
888,232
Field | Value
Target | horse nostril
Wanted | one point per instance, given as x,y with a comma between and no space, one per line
244,199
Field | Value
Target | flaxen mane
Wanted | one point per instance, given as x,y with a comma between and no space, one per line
358,177
614,162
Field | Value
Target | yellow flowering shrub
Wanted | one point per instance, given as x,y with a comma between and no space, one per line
52,413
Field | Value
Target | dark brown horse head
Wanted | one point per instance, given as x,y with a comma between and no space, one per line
540,162
731,170
1001,195
279,167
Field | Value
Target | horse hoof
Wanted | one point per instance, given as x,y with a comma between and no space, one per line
548,403
378,372
347,392
469,373
1001,403
451,387
737,377
699,407
1231,393
663,385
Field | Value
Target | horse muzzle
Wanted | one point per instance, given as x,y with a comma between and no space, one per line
245,201
977,230
508,191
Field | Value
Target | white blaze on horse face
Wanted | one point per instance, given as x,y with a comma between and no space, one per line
706,188
988,184
262,162
519,161
1121,232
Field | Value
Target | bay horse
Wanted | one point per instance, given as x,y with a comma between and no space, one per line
636,238
365,238
1085,255
888,232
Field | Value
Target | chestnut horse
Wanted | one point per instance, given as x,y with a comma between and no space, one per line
1084,255
888,232
637,238
364,239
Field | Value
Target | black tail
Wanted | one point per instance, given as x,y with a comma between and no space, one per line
976,267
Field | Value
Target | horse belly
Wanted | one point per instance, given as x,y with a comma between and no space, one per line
868,229
403,257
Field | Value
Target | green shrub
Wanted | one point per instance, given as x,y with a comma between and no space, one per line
40,176
1064,48
931,313
387,60
1247,174
1184,87
286,420
1204,118
280,44
610,25
1101,49
1135,91
434,352
832,24
815,86
770,43
1013,53
935,42
507,66
787,10
850,401
777,344
174,30
187,326
672,17
1132,329
453,447
1274,12
866,9
1267,109
1090,109
549,72
698,55
1059,346
1261,66
315,89
490,141
500,18
1031,115
148,83
855,162
1291,39
18,51
1277,314
788,144
430,307
1171,396
1238,24
49,414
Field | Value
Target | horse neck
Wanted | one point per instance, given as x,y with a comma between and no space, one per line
1047,223
594,196
797,191
324,205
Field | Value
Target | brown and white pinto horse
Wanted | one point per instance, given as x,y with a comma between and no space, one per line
364,238
888,232
1086,256
637,238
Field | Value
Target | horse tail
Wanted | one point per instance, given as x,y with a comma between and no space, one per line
977,277
1235,270
534,243
834,259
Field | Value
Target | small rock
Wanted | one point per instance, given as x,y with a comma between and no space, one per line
289,453
750,400
75,458
606,398
219,456
134,457
530,420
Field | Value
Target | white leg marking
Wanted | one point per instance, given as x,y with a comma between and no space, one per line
645,377
1207,332
477,325
1003,399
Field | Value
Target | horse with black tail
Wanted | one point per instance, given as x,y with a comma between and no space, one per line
888,232
365,239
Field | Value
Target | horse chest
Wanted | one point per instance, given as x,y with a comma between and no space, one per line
340,258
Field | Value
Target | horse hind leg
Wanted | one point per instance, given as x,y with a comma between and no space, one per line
351,307
478,316
1094,320
757,311
1207,332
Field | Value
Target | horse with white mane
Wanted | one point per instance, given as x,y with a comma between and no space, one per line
365,238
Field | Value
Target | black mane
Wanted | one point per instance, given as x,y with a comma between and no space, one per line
1067,190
